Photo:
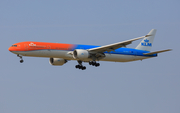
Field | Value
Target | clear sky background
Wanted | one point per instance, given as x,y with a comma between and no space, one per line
148,86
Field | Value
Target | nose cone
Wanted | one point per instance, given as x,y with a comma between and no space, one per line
10,49
14,48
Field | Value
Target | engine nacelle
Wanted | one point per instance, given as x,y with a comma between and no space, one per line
81,54
57,61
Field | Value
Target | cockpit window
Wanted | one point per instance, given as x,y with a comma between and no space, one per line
14,45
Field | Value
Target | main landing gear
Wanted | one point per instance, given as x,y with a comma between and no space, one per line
21,60
80,66
93,63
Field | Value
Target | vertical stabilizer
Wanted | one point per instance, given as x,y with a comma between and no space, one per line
146,43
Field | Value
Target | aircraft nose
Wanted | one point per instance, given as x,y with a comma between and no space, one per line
10,49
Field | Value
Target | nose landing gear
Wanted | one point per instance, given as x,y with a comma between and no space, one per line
21,59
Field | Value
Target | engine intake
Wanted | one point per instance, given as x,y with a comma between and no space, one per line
81,54
57,61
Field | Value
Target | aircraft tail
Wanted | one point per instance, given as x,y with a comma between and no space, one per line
146,43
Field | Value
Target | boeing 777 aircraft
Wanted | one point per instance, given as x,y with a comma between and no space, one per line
59,53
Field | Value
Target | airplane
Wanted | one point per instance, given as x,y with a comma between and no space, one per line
60,53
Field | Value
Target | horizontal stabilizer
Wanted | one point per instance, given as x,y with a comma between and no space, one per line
151,53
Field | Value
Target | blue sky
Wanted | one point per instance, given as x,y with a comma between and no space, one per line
146,86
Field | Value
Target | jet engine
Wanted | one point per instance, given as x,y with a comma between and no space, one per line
57,61
81,54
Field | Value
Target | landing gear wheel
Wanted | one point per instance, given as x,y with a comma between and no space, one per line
90,63
97,64
77,66
80,66
93,63
21,61
83,68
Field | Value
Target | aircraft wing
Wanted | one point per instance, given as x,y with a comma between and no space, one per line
114,46
151,53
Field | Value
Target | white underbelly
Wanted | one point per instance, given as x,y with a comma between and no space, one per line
67,56
121,58
46,53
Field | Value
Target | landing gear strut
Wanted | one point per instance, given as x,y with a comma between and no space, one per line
93,63
80,66
21,60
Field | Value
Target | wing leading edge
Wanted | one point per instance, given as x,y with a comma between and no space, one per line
112,47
